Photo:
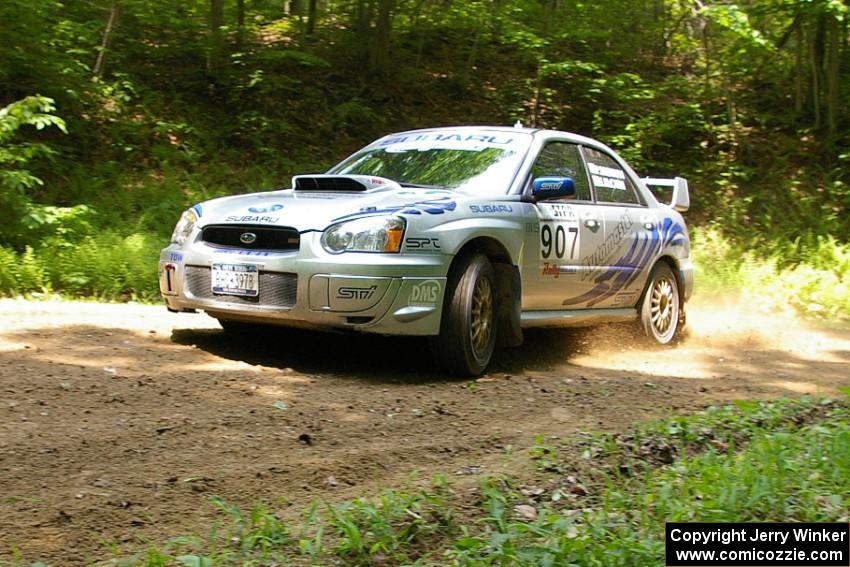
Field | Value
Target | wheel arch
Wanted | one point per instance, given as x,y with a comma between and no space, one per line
508,285
674,267
671,263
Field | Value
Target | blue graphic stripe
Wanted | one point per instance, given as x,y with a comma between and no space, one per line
432,207
643,250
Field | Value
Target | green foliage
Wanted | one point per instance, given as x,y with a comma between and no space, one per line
105,265
813,281
18,214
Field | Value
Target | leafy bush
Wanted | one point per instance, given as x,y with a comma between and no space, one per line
105,265
814,282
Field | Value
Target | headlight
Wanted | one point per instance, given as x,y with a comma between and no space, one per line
184,227
370,234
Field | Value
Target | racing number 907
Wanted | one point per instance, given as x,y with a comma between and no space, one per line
557,242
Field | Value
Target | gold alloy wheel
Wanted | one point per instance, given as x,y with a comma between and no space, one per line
481,323
663,306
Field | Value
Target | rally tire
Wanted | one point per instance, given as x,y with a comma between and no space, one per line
661,307
468,328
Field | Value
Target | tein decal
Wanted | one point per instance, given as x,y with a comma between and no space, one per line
627,268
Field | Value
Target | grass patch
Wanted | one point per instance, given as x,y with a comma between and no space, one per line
104,266
812,280
598,499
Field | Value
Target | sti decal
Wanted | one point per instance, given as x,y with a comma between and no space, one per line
270,209
176,257
422,243
432,207
644,249
493,209
362,293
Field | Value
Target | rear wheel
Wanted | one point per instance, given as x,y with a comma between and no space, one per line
468,328
661,306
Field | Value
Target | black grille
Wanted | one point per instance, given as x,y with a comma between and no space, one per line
266,237
276,289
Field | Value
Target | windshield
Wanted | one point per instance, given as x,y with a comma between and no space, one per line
482,162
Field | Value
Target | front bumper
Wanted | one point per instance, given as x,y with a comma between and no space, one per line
395,294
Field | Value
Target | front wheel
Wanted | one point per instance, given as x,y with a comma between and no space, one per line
661,306
467,336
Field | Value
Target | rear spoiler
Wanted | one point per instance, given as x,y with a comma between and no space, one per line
681,199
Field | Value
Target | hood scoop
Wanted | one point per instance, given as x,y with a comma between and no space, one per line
342,183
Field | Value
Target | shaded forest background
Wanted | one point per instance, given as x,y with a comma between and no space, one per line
121,113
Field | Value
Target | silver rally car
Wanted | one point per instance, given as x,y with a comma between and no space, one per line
465,235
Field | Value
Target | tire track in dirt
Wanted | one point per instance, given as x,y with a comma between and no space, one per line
119,420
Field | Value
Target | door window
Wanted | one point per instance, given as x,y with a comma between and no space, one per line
562,159
610,182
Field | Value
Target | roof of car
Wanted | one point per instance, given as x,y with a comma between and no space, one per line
546,133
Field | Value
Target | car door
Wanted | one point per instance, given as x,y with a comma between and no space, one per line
630,236
560,234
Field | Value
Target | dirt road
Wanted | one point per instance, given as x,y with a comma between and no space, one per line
117,422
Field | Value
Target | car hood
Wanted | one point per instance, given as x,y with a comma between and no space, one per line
316,210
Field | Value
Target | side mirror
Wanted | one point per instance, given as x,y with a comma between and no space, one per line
543,188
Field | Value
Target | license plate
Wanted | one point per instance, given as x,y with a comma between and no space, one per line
235,279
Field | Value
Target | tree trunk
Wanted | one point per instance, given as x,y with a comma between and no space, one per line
815,63
379,59
312,11
216,21
240,22
832,75
798,68
111,24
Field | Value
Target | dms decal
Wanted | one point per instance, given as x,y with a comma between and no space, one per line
269,209
422,243
251,218
644,249
198,210
432,207
478,209
425,294
362,293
